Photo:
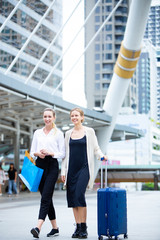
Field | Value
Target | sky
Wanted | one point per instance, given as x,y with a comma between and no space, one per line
73,85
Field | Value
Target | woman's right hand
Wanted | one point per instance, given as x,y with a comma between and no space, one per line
63,178
40,155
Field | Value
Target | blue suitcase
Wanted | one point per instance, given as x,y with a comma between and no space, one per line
112,212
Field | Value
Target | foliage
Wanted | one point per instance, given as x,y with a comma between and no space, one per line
148,186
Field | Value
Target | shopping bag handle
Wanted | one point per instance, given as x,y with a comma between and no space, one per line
27,154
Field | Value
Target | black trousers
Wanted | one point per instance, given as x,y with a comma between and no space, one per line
46,187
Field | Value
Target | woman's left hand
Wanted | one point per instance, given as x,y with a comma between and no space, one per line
105,158
63,178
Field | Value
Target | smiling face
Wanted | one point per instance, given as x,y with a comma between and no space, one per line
48,118
76,117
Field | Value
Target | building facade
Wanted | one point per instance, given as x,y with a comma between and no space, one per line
153,24
141,151
101,56
146,74
27,30
153,34
158,83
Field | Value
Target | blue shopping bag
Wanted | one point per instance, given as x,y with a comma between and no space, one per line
31,174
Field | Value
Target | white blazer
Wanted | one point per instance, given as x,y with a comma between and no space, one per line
92,149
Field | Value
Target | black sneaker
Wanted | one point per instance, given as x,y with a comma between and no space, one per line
35,232
53,233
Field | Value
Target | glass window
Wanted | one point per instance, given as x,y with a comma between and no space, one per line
96,28
120,28
97,67
107,76
105,85
121,19
97,86
108,36
108,27
97,103
108,66
97,18
117,47
119,37
108,56
108,8
97,10
97,56
97,76
108,46
97,47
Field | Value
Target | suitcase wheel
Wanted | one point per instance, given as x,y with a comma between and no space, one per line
125,235
100,238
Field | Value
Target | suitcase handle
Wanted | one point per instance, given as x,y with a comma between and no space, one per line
102,173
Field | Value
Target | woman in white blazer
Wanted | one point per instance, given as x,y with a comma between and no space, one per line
77,170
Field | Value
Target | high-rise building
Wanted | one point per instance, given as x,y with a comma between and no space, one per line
146,74
101,56
153,24
153,34
143,75
27,29
158,83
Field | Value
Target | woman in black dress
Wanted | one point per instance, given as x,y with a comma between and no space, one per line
77,170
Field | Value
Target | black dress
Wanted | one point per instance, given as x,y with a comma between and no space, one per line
78,173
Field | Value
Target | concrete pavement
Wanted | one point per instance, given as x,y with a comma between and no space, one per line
19,214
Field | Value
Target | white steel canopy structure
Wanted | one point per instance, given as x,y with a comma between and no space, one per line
31,41
23,105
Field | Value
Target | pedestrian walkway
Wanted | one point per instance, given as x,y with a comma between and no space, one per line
19,214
